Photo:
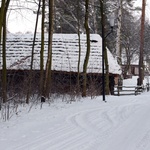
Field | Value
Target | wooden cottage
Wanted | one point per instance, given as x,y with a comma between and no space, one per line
65,56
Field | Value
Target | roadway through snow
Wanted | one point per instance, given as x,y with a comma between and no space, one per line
123,123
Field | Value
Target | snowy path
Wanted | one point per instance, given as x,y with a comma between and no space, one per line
123,123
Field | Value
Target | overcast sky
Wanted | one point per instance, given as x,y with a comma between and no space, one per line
21,20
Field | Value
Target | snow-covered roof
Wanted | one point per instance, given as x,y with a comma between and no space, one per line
65,53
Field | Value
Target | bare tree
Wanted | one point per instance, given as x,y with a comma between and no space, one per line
3,13
141,65
79,41
47,82
32,55
42,48
88,47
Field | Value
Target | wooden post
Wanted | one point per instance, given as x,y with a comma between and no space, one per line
118,91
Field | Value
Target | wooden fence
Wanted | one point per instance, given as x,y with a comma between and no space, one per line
128,90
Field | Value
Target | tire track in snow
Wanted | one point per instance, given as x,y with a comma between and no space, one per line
83,122
60,134
94,125
100,126
144,141
52,137
132,128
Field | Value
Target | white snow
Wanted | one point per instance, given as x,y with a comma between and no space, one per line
65,53
123,123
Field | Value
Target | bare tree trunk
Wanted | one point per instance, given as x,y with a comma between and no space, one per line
49,59
32,56
42,49
141,65
94,18
2,9
118,40
3,26
4,70
79,41
88,48
2,12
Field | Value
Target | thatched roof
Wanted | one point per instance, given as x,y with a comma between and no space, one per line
65,53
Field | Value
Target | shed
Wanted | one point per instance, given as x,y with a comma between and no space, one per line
65,55
131,69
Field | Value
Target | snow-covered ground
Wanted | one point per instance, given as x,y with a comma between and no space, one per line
123,123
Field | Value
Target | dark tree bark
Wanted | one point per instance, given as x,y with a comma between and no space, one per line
42,49
79,42
141,65
88,48
47,82
32,55
3,13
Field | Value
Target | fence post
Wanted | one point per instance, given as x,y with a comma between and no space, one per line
118,91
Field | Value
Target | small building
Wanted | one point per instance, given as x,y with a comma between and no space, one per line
134,70
65,56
